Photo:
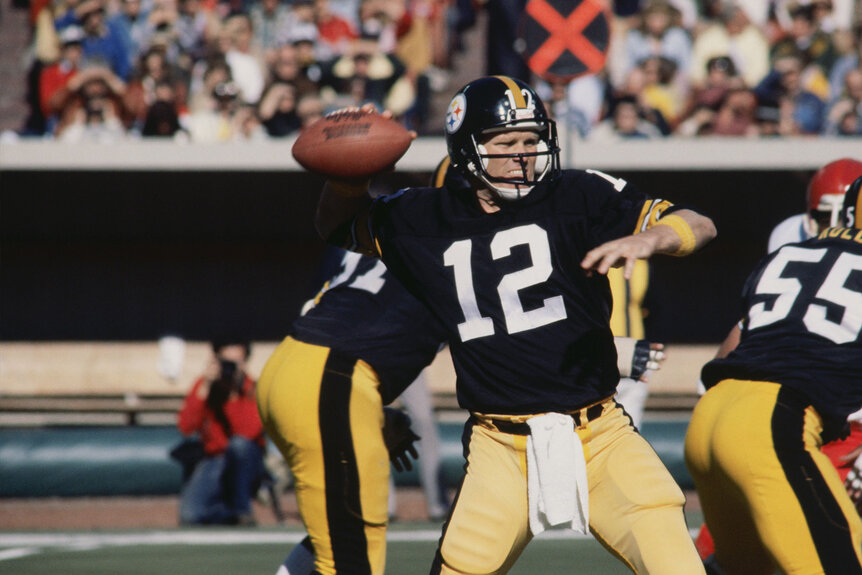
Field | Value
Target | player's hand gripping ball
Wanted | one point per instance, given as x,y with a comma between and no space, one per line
352,144
399,438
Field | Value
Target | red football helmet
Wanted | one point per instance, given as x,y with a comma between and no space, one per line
826,193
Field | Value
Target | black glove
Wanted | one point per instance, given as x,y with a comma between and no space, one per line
645,358
640,359
399,438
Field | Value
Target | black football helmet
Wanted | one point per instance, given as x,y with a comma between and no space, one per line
852,208
493,104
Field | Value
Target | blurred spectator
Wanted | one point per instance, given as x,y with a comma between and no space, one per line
221,410
102,44
334,33
153,80
798,106
54,78
92,110
834,17
133,24
229,120
637,86
385,20
285,69
194,27
812,45
303,39
844,117
735,115
247,125
277,110
161,121
847,62
271,23
201,93
245,62
734,36
658,35
300,23
625,122
414,46
367,75
705,101
721,76
578,104
310,109
660,91
767,118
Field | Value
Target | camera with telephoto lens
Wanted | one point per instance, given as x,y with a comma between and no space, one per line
228,375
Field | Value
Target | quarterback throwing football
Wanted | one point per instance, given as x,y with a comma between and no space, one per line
514,266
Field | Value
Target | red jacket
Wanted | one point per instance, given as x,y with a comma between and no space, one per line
240,411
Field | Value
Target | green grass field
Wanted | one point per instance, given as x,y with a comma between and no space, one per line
260,551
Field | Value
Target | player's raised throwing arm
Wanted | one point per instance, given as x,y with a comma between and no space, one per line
342,216
679,233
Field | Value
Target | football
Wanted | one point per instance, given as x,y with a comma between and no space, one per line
351,144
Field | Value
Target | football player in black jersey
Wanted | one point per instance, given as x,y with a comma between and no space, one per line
362,341
514,266
771,498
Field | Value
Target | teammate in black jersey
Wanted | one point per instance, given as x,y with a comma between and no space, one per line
770,497
321,397
513,265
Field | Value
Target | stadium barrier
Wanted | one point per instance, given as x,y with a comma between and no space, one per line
115,460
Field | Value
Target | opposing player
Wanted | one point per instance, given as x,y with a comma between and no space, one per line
321,398
514,266
771,498
823,198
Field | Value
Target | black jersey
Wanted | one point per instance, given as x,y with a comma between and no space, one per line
365,313
802,323
528,329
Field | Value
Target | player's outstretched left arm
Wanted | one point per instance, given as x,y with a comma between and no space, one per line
679,234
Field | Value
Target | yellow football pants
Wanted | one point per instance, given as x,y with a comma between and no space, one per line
324,413
771,499
635,505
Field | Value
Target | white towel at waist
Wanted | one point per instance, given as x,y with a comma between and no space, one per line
557,486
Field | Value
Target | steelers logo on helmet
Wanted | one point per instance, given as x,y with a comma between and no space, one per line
498,104
456,112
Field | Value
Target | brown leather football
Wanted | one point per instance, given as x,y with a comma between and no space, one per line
351,144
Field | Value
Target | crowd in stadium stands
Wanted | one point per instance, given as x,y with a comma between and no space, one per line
227,70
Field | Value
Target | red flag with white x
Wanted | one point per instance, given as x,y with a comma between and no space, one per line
564,39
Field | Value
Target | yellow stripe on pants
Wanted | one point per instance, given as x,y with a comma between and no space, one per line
290,392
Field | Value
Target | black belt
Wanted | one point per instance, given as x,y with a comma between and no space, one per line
522,428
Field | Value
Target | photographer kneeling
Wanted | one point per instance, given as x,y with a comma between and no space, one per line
221,410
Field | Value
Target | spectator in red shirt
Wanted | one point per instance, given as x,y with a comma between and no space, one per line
55,77
334,34
221,409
